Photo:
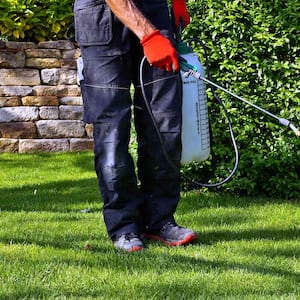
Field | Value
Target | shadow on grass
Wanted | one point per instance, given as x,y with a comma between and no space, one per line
209,238
54,196
44,181
197,200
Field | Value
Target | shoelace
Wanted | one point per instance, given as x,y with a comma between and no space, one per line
168,225
129,236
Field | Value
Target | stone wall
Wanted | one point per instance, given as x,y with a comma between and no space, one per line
40,101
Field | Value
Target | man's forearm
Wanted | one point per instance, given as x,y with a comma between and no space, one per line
130,16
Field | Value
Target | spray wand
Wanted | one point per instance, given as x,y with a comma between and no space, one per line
192,70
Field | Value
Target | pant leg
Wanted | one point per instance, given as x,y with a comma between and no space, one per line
160,183
105,45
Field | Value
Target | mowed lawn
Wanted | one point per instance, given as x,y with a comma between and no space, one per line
50,209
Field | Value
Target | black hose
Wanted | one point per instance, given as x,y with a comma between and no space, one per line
171,163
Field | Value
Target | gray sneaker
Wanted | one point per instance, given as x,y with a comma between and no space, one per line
173,235
129,242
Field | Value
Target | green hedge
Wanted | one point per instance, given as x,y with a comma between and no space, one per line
35,20
254,51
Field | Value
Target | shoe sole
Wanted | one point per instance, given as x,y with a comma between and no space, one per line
135,249
190,238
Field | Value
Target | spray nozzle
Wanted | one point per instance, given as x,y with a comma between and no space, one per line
287,123
296,131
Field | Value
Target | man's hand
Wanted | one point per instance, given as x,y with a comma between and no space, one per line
180,13
160,52
158,49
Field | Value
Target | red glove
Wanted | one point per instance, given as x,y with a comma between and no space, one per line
160,52
180,12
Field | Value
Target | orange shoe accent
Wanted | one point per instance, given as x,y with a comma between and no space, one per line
135,249
188,239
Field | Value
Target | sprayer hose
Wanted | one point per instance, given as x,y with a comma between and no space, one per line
171,163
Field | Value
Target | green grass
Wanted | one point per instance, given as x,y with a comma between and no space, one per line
248,248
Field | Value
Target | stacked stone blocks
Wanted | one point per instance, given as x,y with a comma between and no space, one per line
40,101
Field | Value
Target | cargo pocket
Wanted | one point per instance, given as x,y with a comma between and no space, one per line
93,24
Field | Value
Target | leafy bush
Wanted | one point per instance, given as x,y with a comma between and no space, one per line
35,20
253,49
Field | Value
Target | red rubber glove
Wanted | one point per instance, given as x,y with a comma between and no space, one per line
180,12
160,52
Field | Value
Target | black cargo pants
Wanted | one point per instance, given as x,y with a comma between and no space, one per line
112,54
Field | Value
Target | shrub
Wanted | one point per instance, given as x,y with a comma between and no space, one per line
35,20
253,49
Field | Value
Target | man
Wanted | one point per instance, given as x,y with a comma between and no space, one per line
114,35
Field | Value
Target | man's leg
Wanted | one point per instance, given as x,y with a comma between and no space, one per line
160,182
105,45
109,102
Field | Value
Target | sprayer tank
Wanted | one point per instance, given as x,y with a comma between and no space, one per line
195,124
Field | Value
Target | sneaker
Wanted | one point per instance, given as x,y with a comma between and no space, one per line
173,235
129,242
